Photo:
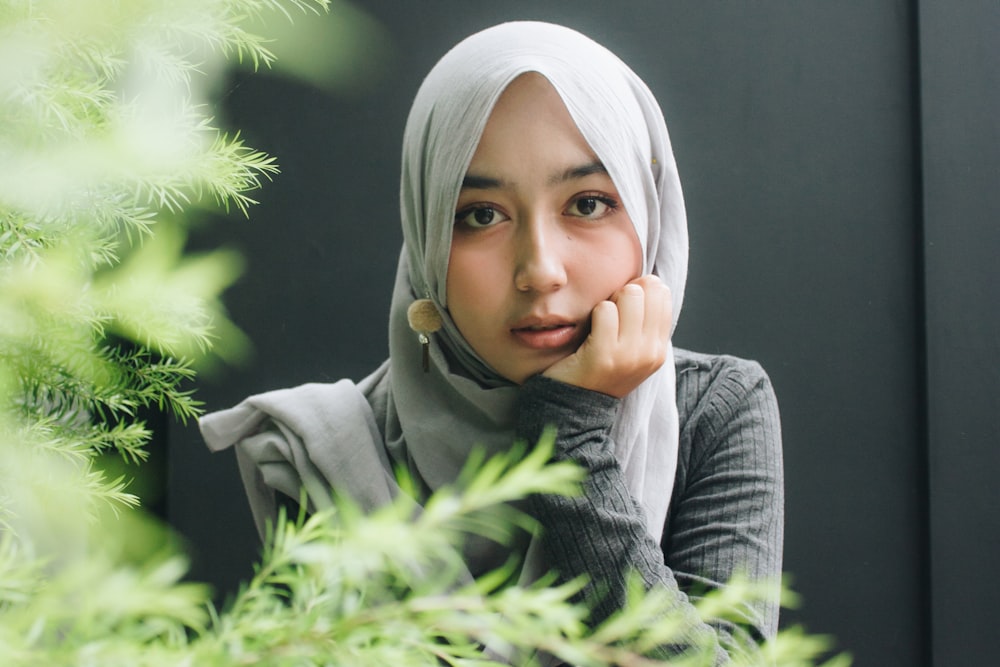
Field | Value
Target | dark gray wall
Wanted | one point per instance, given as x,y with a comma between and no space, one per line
840,163
960,102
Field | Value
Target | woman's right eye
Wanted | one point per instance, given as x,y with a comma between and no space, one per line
478,217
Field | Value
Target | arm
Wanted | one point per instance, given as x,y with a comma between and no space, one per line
727,514
601,534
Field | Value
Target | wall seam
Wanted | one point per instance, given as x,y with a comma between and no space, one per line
922,397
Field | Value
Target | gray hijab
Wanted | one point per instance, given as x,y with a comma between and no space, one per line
325,436
616,113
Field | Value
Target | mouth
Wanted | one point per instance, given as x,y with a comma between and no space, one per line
541,327
546,335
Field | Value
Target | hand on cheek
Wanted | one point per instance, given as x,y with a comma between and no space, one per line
628,341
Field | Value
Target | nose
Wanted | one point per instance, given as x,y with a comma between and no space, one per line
540,264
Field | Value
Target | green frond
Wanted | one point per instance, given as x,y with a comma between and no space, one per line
69,382
111,491
230,169
20,577
164,302
129,439
257,8
21,237
47,434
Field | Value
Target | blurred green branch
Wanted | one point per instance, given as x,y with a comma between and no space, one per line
336,588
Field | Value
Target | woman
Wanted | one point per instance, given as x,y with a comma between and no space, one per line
543,269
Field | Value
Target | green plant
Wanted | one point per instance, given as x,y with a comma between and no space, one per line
106,143
336,589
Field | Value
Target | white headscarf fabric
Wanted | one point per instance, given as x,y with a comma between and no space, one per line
433,419
463,401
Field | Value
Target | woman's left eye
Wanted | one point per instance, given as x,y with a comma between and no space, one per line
591,206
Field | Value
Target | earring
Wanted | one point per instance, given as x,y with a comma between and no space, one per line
424,318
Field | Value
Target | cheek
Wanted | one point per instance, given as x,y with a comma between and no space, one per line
634,253
629,250
617,252
471,273
628,265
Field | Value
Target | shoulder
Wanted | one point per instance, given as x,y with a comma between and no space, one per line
700,366
375,388
723,402
719,379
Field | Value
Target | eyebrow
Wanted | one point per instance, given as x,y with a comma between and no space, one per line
475,182
574,173
479,182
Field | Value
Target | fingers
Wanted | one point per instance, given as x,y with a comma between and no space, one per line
645,310
628,341
605,323
631,303
659,320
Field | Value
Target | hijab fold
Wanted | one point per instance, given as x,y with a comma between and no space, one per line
326,436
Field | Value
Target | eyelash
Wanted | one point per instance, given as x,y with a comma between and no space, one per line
610,202
461,215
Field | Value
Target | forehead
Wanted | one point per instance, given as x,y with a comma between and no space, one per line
528,125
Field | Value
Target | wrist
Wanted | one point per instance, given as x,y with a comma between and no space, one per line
543,401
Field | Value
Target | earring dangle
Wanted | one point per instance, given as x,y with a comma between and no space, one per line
424,318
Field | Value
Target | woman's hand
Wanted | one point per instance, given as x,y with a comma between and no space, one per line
628,341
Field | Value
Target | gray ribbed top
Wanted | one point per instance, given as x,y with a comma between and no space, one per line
726,512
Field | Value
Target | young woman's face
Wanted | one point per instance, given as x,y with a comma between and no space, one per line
540,237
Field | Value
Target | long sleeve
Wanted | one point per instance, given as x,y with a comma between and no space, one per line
726,511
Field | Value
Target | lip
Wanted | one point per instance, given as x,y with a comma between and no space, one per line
545,333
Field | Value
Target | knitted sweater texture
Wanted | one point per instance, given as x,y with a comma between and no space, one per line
726,511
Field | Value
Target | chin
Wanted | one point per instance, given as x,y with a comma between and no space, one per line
525,375
522,372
